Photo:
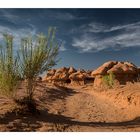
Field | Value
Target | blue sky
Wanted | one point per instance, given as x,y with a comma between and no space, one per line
90,36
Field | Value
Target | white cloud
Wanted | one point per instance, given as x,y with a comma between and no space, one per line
87,44
127,27
63,16
62,47
129,37
57,15
10,17
95,27
14,19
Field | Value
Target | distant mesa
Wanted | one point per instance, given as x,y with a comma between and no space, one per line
123,71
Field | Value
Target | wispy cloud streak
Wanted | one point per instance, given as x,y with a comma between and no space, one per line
127,35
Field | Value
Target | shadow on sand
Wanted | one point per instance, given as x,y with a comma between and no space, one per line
19,122
58,92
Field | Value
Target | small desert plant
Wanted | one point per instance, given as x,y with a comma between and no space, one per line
35,57
109,80
9,76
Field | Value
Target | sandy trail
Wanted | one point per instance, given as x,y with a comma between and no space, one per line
74,109
90,111
87,107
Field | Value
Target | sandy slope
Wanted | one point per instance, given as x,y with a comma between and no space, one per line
76,108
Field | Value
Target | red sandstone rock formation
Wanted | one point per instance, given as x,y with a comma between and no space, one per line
123,72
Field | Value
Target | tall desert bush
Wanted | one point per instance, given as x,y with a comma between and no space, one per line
36,56
9,75
32,58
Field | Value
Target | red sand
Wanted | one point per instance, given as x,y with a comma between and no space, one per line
77,108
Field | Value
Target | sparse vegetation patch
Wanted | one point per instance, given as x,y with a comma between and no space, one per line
109,80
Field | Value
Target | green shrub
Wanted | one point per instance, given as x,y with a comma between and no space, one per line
36,56
33,57
9,75
108,80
